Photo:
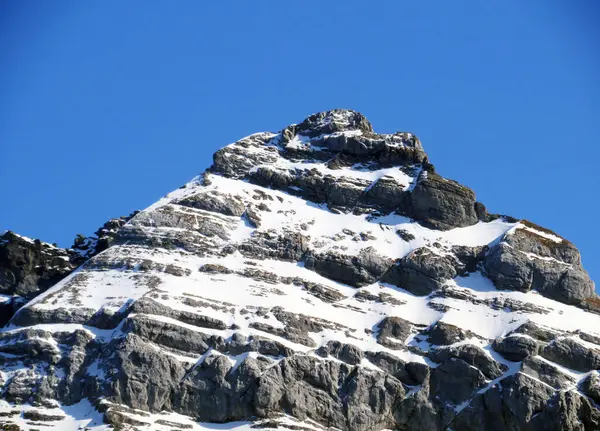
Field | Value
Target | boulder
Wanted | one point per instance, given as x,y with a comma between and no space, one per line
395,328
359,270
472,355
422,271
442,204
544,371
516,347
442,333
526,260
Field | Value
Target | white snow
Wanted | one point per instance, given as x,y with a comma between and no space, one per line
538,232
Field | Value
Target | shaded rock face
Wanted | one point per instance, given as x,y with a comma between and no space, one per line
531,259
315,272
29,267
357,271
516,348
442,204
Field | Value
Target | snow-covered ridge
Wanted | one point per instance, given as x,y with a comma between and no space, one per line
325,272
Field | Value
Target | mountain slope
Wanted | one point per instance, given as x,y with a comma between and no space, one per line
327,273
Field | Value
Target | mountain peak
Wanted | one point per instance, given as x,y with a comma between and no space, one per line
335,120
324,272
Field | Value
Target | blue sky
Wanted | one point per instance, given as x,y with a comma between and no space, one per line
108,105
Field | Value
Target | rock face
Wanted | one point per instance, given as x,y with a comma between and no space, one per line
442,204
321,276
532,258
29,267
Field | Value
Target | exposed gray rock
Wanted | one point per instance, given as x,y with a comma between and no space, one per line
528,241
567,411
556,273
442,204
516,347
472,355
536,331
336,120
380,150
536,367
386,194
215,202
443,334
173,336
509,405
455,380
365,268
409,373
28,316
328,392
422,271
571,354
348,353
87,247
589,338
177,216
591,386
236,161
29,267
340,193
395,328
149,306
286,246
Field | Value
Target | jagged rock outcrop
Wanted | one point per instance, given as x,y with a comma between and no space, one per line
29,267
322,276
442,204
533,258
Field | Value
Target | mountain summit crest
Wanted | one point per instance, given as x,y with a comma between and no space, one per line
324,276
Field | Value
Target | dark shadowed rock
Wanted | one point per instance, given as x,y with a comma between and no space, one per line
455,380
536,367
393,332
443,334
556,272
536,331
509,405
516,347
29,267
591,386
442,204
360,270
571,354
472,355
422,271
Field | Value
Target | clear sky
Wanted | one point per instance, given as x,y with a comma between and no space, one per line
105,106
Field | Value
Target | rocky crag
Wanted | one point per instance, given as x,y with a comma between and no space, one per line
322,277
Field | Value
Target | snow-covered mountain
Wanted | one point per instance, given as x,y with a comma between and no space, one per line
321,277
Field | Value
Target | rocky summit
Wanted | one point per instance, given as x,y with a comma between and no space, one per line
322,277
